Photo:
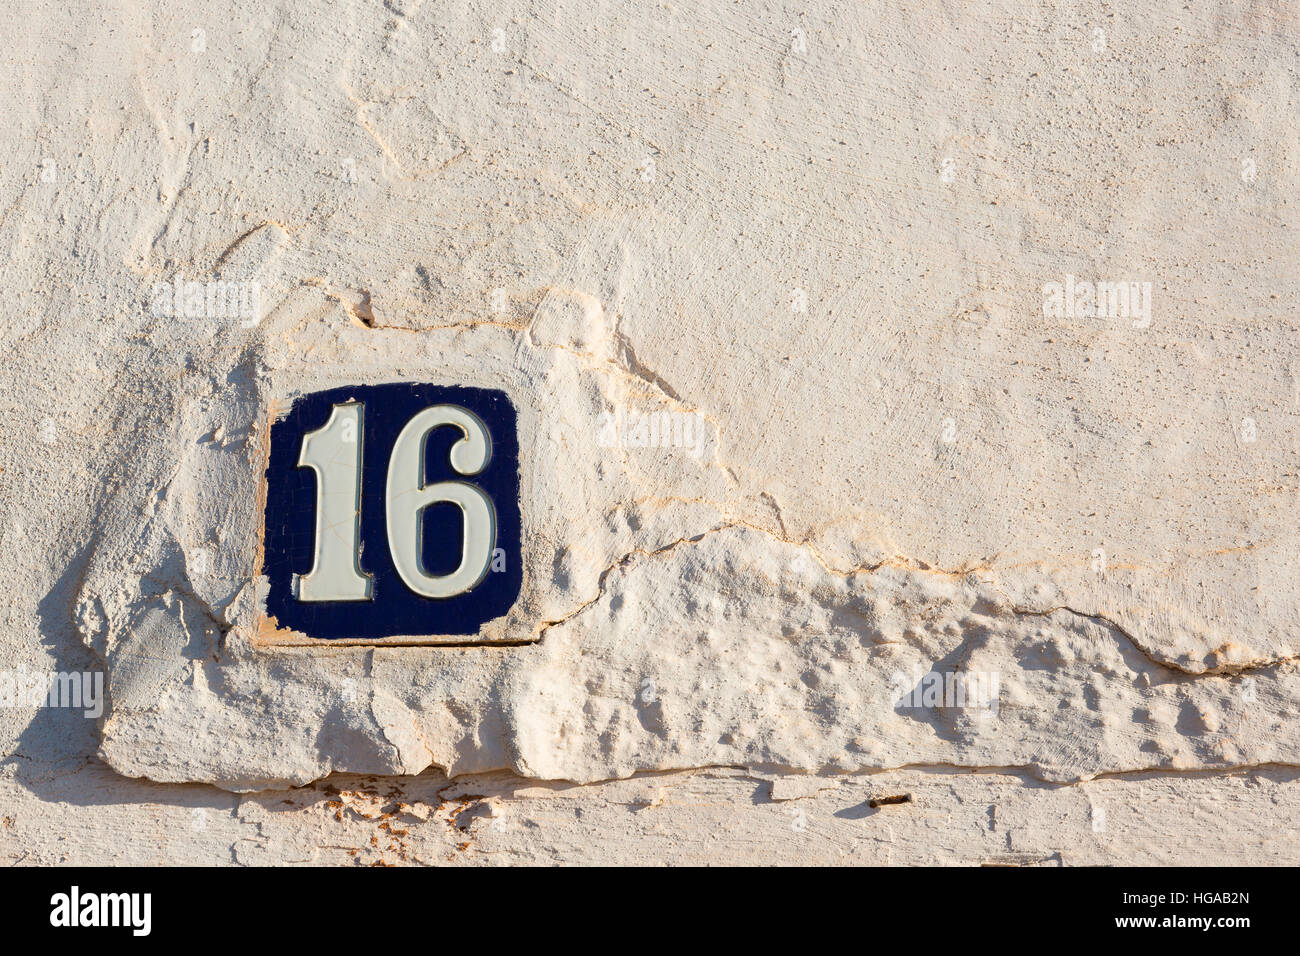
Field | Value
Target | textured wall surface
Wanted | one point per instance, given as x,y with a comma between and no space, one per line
975,325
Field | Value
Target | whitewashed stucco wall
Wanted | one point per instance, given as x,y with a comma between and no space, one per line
831,234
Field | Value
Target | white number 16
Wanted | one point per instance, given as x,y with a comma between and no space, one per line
333,451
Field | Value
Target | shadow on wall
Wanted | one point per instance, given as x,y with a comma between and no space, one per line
59,739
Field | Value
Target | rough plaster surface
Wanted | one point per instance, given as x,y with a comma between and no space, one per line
822,234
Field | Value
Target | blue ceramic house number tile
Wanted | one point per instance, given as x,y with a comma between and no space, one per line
393,510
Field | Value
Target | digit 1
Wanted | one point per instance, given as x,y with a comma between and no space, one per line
334,453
